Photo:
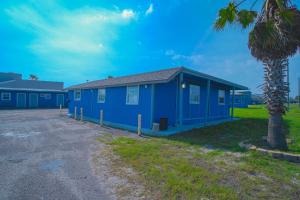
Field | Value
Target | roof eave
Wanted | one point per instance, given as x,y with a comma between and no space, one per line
31,89
215,79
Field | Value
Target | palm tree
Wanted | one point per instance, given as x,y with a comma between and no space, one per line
33,77
274,38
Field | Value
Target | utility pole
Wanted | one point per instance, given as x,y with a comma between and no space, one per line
288,82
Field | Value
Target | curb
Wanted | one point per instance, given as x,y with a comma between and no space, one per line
275,154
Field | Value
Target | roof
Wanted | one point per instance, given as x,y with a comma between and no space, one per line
242,93
32,85
6,76
161,76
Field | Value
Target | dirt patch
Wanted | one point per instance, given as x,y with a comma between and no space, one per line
121,182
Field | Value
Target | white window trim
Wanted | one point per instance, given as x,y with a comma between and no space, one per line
77,99
98,100
220,96
190,99
2,96
138,94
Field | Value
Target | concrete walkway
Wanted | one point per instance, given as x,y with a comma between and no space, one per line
47,156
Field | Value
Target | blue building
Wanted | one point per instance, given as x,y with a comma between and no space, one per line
180,97
18,93
242,99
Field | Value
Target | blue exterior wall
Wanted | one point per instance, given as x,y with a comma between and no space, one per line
115,109
166,104
42,102
219,111
242,100
196,113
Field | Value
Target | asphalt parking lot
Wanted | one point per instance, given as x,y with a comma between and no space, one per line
47,156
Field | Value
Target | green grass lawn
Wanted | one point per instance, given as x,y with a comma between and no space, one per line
252,126
291,122
208,163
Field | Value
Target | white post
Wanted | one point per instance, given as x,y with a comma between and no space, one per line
139,124
75,113
101,117
81,114
59,109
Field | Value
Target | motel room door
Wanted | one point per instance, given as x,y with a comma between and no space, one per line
60,100
33,100
21,100
90,110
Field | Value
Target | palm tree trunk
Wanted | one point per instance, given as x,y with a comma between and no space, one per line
276,137
275,92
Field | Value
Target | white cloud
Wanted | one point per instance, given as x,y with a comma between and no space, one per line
128,13
170,52
149,10
193,59
71,42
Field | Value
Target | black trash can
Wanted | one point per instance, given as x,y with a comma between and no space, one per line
163,123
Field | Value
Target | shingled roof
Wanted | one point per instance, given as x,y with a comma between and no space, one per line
160,76
32,85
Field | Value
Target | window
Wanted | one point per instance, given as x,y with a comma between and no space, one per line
221,97
46,96
132,96
101,96
77,95
194,94
5,96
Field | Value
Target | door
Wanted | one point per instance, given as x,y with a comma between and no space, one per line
33,100
60,100
21,100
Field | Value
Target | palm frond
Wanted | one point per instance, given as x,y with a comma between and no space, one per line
246,17
225,15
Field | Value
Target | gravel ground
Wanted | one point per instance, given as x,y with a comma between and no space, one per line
47,156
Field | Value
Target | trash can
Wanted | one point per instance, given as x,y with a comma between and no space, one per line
163,123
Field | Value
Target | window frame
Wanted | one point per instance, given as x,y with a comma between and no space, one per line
127,95
2,96
98,99
219,96
75,98
191,100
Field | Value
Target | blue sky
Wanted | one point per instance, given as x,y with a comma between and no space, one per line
78,40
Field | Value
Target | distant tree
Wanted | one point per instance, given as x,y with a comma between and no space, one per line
274,38
33,77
